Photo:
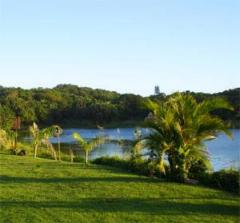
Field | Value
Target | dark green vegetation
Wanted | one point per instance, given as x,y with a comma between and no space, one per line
227,180
37,190
72,106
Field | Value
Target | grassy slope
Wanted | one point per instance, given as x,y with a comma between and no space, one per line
47,191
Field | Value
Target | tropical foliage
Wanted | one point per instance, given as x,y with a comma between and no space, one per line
40,137
178,124
88,145
178,128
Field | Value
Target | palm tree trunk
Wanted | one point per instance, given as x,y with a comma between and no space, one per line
71,155
182,173
35,151
86,157
177,167
59,150
54,154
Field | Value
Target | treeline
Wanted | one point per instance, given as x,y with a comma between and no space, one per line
80,106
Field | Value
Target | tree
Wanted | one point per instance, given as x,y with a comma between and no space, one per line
46,134
36,137
42,137
56,131
6,117
178,129
88,146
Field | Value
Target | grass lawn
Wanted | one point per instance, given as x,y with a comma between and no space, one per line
48,191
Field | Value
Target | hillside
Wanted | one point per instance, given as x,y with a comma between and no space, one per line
48,191
73,106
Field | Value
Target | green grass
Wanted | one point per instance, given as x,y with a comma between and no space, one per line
47,191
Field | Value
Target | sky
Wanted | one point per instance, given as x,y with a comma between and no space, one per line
127,46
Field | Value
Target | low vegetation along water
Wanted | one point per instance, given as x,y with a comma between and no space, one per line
223,152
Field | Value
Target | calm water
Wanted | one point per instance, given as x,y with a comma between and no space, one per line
223,151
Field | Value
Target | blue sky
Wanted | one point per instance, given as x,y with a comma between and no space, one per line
121,45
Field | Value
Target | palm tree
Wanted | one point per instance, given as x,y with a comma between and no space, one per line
195,125
56,132
42,137
46,134
88,146
36,137
179,127
161,125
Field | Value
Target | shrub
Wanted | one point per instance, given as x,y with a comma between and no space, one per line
112,161
138,166
78,159
228,180
198,170
22,153
45,155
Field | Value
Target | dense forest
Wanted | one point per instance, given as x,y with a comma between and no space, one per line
73,106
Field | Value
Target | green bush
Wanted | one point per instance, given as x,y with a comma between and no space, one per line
112,161
198,170
138,166
45,155
78,159
228,180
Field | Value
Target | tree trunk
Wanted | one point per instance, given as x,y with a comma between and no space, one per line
54,154
86,157
172,165
182,173
71,155
177,167
59,150
35,151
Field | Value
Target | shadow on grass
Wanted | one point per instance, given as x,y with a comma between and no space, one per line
62,165
151,206
8,179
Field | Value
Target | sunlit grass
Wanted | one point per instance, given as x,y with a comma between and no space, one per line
48,191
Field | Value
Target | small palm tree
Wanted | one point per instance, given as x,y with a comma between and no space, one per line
56,132
88,146
46,134
36,137
42,137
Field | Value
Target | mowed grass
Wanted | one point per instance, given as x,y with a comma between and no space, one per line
38,190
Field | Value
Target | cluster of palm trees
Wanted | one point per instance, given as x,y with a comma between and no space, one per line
41,137
179,126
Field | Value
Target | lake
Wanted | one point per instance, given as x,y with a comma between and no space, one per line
223,151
